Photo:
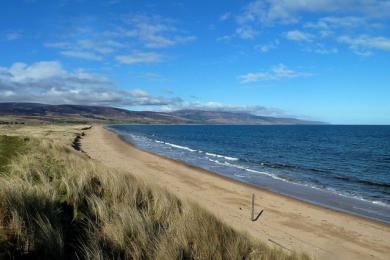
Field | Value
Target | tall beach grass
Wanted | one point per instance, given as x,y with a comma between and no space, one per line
56,203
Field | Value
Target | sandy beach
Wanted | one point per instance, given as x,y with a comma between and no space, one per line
286,222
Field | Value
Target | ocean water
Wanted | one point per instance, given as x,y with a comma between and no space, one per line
346,168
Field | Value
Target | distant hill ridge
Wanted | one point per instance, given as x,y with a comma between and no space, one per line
80,113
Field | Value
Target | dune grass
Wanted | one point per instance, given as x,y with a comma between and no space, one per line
10,146
56,203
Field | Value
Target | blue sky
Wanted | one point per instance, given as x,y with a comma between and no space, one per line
326,60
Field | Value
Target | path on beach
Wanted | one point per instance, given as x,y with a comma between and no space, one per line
322,233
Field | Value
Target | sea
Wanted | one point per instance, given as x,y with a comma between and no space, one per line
345,168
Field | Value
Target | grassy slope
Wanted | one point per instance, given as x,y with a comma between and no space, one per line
56,203
10,146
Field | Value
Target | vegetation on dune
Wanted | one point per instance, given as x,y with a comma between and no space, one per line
55,203
10,146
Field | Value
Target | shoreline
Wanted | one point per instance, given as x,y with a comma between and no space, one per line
297,191
254,186
295,224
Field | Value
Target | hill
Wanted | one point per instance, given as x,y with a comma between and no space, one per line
85,114
224,117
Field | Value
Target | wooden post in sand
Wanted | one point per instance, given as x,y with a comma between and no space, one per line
253,218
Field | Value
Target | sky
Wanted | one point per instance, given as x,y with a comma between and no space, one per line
326,60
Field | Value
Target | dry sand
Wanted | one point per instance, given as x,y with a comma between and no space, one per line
286,222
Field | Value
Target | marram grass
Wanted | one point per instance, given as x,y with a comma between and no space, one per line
56,203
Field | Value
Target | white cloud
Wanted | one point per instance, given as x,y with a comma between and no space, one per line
277,72
155,31
139,57
251,13
267,11
267,47
102,46
82,55
221,107
364,43
264,13
133,31
139,93
21,72
341,29
148,76
299,36
86,49
325,33
49,82
332,22
246,32
320,49
225,16
225,38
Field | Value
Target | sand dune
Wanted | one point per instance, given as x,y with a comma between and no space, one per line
288,223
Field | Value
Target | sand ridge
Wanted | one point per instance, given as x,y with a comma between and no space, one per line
286,222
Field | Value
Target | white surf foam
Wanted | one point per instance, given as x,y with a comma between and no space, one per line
180,147
227,164
246,169
175,146
229,158
222,156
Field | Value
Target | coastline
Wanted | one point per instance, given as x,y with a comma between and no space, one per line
307,193
294,224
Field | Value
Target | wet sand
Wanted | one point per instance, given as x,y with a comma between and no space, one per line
285,222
